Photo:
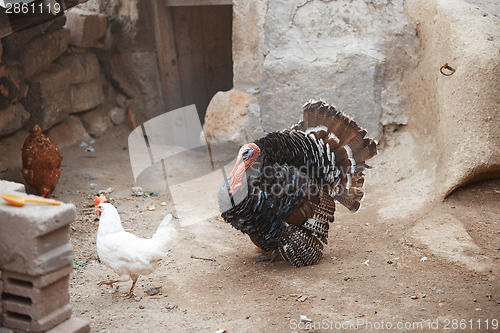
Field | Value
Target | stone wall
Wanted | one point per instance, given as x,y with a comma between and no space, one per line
355,55
52,77
352,54
456,116
129,55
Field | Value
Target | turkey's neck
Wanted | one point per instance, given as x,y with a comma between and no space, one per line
275,149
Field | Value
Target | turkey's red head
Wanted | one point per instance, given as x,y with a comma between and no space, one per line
247,155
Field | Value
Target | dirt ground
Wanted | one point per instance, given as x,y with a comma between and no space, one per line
372,276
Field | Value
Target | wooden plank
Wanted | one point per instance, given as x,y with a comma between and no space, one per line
177,3
217,42
190,54
167,56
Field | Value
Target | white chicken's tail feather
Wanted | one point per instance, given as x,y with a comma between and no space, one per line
166,232
166,220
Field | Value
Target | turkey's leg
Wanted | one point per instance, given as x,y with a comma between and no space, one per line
131,292
275,255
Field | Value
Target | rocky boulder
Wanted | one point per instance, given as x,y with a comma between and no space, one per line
456,112
233,117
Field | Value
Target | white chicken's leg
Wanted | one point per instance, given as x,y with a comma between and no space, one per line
109,283
131,292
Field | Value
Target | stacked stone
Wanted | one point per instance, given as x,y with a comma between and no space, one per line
35,264
50,76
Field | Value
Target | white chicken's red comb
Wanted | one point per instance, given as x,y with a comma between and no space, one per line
99,200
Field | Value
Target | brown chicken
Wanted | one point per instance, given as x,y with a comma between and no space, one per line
41,162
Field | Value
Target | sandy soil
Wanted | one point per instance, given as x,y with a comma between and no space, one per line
211,281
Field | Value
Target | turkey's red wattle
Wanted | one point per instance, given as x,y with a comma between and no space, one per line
246,156
236,175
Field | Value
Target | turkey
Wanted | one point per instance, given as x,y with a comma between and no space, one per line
283,187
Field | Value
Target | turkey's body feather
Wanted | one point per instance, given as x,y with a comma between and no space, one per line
288,200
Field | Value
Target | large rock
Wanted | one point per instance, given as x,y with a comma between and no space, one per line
84,67
117,115
40,53
15,44
68,133
12,82
87,28
48,99
86,96
12,119
457,115
354,55
137,75
96,121
232,117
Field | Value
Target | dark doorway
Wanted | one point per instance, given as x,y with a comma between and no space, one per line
202,64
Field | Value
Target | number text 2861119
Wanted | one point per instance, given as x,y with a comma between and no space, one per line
33,8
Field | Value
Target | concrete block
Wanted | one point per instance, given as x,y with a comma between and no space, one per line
69,132
96,121
84,67
36,303
34,239
72,325
49,100
9,187
86,96
87,28
12,119
40,53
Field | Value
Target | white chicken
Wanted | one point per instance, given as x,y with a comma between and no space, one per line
126,254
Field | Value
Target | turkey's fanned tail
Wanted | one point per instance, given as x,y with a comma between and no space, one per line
347,149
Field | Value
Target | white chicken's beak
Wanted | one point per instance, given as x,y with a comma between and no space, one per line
98,209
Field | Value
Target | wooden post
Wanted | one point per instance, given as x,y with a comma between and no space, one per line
167,55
